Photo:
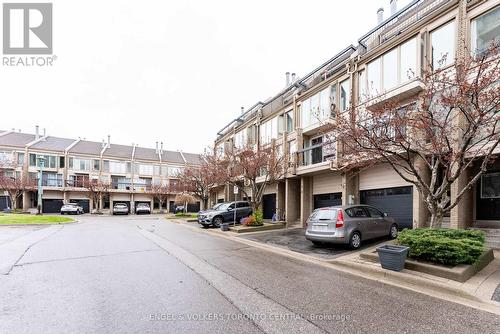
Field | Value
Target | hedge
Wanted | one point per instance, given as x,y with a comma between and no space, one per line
443,246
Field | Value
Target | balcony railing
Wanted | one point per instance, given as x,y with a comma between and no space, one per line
121,185
317,154
400,21
142,186
57,183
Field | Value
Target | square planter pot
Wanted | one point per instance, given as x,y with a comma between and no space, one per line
224,227
392,257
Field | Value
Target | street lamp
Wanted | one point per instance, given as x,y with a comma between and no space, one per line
41,164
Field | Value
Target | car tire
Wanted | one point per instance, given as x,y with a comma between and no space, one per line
355,240
217,221
393,232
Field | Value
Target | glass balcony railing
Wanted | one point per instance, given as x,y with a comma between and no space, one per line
316,154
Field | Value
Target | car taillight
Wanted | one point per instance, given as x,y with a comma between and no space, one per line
340,219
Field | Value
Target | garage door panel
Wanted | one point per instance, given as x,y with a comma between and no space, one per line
325,200
381,176
397,202
52,205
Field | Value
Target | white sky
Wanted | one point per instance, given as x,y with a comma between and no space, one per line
173,71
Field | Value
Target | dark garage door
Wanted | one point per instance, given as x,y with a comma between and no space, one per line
194,207
397,202
52,205
84,203
269,205
4,202
324,200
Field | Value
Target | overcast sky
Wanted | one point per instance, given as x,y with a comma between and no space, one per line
173,71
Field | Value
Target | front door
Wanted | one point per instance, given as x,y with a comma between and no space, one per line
269,205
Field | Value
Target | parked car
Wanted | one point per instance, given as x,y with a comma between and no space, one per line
120,208
142,208
351,225
179,208
71,208
224,212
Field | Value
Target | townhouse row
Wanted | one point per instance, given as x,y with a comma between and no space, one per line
65,164
386,63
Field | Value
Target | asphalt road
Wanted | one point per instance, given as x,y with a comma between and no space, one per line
144,275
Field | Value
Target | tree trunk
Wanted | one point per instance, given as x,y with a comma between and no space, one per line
436,218
13,201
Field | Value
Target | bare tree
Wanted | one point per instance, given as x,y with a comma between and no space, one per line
254,169
184,199
96,189
451,126
200,180
159,193
15,185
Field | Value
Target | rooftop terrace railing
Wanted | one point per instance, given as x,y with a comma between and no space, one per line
399,22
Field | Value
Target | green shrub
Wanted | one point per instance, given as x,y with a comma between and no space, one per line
259,216
443,246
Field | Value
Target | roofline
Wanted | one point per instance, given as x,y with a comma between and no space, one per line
33,142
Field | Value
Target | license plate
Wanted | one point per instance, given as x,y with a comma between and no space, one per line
319,227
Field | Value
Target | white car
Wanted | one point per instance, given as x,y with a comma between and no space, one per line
71,208
120,209
142,208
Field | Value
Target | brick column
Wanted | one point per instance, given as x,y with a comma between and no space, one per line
305,198
350,188
292,200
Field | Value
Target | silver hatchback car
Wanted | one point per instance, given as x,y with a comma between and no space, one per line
350,225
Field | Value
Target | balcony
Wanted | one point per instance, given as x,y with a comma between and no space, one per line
316,157
121,185
142,187
396,95
53,183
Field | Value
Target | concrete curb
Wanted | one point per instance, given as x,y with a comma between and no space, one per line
402,280
13,251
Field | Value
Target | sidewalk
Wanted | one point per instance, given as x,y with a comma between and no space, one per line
476,292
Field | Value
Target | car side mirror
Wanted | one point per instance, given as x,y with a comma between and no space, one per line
229,209
385,214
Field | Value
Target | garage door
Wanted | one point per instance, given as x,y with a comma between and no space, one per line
4,202
52,205
324,200
84,203
397,202
194,207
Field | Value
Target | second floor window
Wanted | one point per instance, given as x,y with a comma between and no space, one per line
485,30
268,131
443,45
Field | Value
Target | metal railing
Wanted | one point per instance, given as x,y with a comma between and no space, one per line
316,154
399,22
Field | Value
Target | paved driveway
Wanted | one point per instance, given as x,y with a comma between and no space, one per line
147,275
294,240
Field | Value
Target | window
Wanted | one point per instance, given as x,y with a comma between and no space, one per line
317,107
156,169
408,60
443,45
289,121
32,160
485,30
61,162
374,213
490,185
242,205
240,139
164,170
268,131
95,165
117,167
20,159
390,72
363,91
374,77
345,95
51,161
145,169
174,171
105,165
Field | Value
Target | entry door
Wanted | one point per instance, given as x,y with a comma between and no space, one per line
269,205
316,153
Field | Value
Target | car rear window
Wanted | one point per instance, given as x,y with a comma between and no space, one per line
324,214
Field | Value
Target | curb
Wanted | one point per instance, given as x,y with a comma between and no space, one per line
401,280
